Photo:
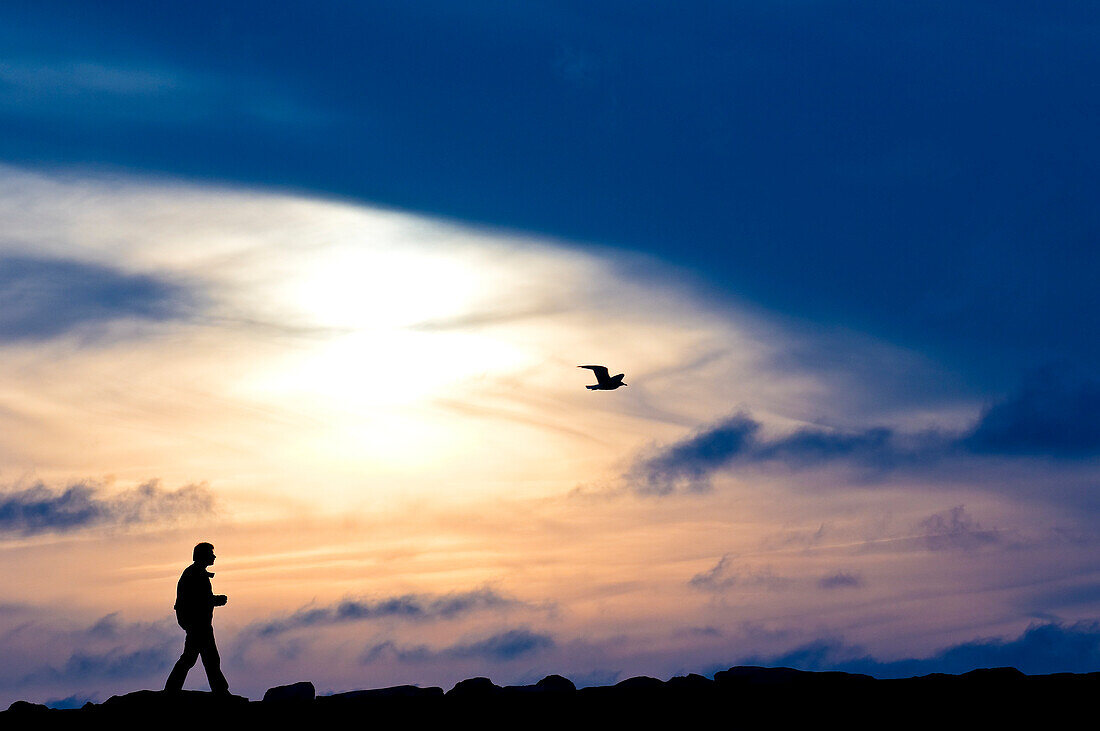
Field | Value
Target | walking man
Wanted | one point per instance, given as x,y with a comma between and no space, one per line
195,602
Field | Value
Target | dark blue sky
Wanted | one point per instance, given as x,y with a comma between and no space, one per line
925,172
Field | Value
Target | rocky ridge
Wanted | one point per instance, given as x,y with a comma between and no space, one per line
741,696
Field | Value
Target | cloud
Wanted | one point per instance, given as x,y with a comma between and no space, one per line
504,646
955,529
724,575
110,649
688,464
118,663
492,316
111,664
501,647
1042,648
408,607
46,298
822,193
56,660
840,580
41,509
1054,414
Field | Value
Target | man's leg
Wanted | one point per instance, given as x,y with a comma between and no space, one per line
187,660
212,661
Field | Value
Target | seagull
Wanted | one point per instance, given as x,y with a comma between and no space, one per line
606,382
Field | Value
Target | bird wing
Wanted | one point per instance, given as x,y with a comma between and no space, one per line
600,371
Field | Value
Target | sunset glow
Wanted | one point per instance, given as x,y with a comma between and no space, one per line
319,297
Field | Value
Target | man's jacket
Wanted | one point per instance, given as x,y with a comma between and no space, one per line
194,598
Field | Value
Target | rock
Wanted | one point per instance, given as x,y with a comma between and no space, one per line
184,701
397,691
693,683
640,684
556,684
995,675
474,688
753,675
302,692
550,685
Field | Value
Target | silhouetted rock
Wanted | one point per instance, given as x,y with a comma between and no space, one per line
639,684
403,692
177,700
692,683
474,688
303,692
556,684
550,685
746,697
21,707
631,689
995,675
751,675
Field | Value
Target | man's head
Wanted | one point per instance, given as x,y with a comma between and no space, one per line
203,554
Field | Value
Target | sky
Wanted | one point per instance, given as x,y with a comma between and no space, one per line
310,281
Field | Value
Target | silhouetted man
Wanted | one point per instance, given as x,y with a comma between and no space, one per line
195,602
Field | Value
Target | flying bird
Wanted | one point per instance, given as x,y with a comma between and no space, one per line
605,382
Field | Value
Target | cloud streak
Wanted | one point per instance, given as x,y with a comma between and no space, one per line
501,647
44,298
724,575
407,607
841,580
1042,648
41,509
1053,415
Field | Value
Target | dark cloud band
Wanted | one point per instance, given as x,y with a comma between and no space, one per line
500,647
1042,648
45,298
408,607
41,509
1054,414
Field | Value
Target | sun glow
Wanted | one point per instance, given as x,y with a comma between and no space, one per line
364,286
364,302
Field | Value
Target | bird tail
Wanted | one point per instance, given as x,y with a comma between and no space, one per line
593,388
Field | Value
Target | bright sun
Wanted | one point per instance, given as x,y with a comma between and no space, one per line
366,301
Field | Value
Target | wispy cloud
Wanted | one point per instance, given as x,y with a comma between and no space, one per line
500,647
407,607
688,465
841,580
110,665
955,529
42,509
1042,648
108,649
725,574
1052,415
44,298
